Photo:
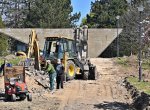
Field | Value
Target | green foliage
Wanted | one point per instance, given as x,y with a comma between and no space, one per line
129,38
52,14
14,12
1,23
133,61
142,86
14,61
39,13
122,61
146,64
127,62
3,44
3,41
103,13
1,61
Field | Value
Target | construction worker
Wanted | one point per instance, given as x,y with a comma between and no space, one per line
3,65
51,71
2,69
60,74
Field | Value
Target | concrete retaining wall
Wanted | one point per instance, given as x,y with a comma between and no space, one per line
99,39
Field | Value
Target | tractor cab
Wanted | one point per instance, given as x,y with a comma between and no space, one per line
55,47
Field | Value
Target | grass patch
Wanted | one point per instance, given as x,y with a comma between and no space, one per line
1,61
132,61
130,65
146,64
122,61
141,86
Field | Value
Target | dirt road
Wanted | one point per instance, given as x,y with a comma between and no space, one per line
106,93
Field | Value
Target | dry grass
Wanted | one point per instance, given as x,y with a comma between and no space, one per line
129,66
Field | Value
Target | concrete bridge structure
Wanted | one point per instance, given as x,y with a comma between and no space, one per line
99,39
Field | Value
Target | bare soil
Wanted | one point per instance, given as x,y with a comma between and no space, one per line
105,93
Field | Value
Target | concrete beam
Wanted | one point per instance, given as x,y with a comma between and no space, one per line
99,39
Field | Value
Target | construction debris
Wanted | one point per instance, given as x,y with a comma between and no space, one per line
9,57
40,76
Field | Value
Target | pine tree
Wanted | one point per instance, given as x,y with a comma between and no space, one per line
103,13
14,12
51,14
3,41
38,13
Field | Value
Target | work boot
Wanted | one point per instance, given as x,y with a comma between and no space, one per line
52,91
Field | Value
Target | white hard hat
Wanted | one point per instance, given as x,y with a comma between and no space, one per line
58,61
48,61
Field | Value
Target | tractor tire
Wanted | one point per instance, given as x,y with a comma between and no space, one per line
23,97
7,97
70,70
93,73
85,75
13,97
29,97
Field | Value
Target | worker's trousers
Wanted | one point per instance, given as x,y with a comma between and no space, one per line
60,79
51,78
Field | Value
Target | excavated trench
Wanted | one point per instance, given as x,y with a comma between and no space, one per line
141,100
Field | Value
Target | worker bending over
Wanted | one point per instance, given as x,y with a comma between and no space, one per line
51,71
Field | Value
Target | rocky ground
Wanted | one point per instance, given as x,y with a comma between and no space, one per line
106,93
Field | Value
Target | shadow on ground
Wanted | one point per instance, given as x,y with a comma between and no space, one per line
113,106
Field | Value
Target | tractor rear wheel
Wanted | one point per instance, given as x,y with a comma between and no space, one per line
93,73
23,97
7,97
29,97
13,97
70,70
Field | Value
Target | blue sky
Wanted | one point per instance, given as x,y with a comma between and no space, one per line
82,6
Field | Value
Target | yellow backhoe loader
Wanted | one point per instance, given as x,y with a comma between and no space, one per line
73,52
33,50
